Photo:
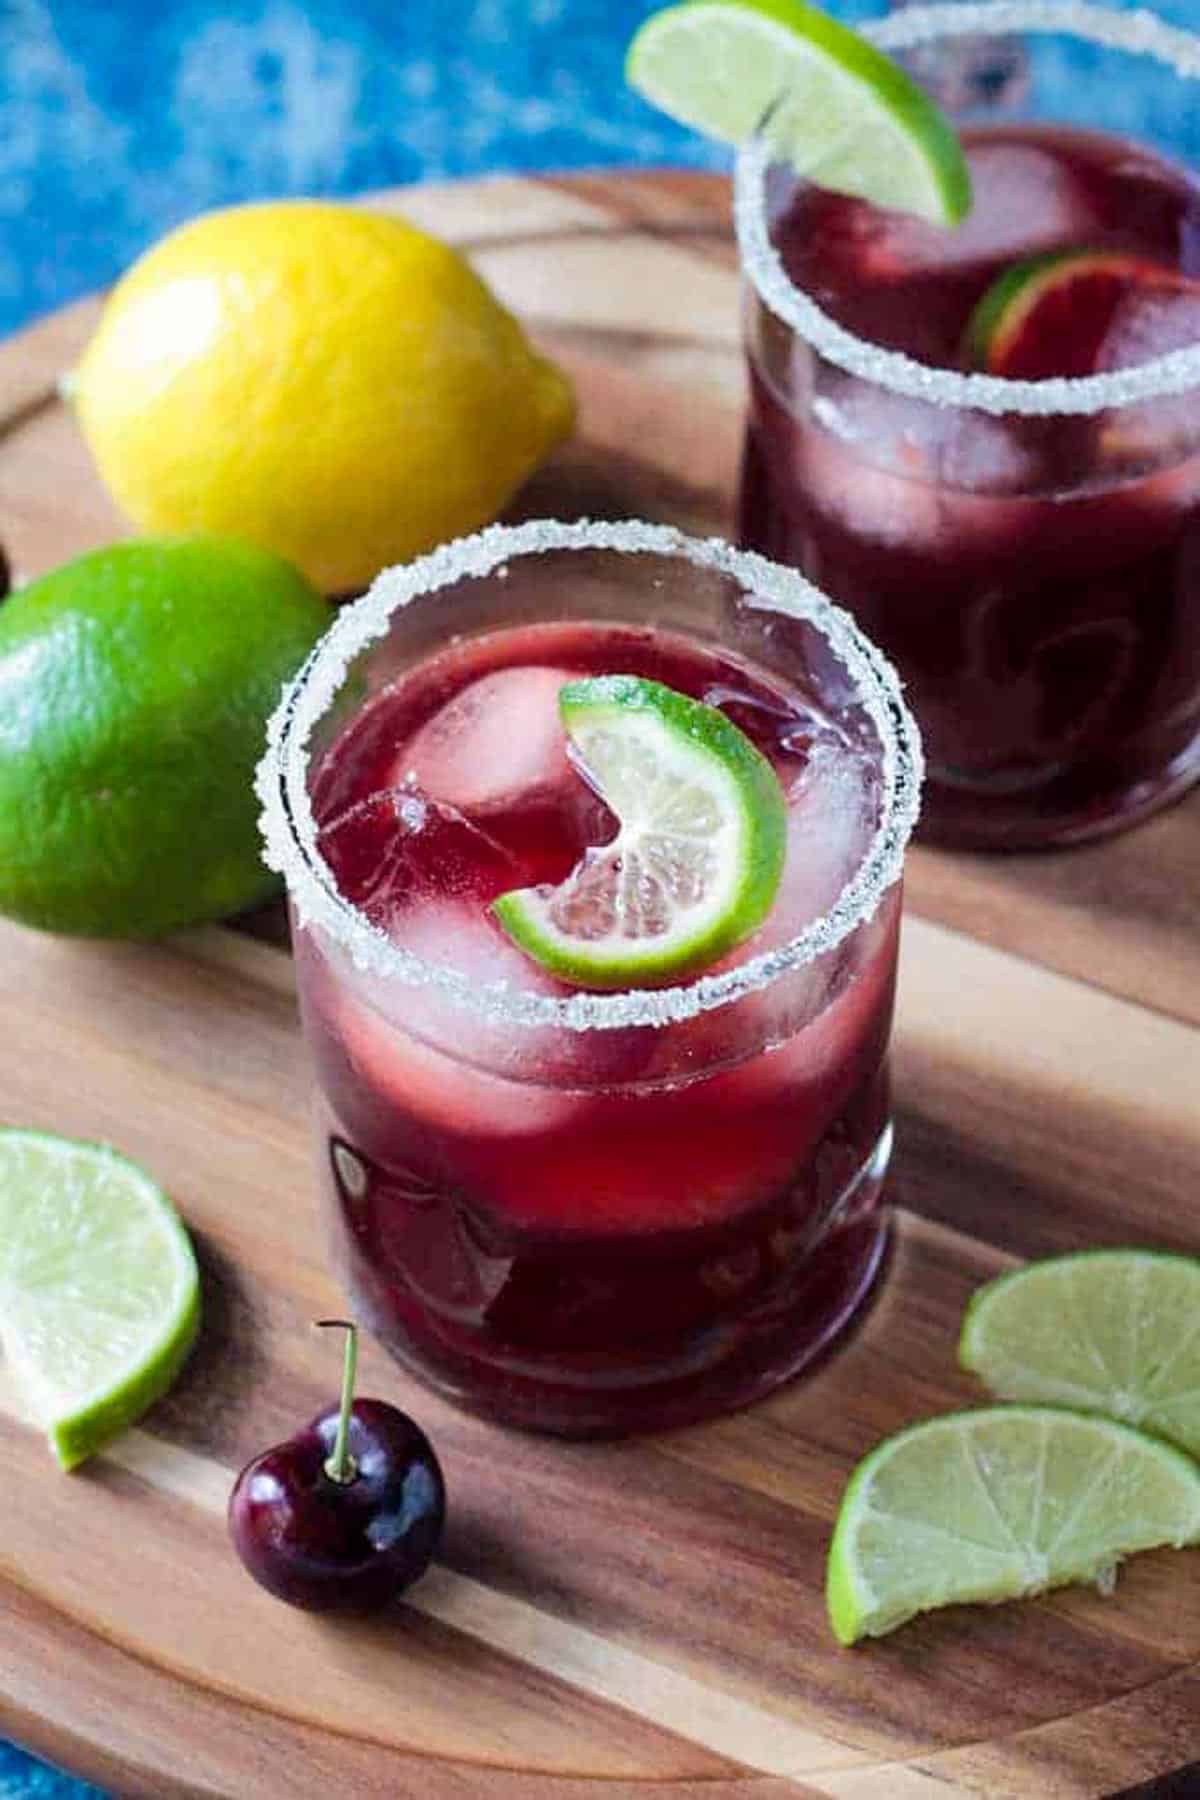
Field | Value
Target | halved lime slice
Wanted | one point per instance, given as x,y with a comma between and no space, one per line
997,1504
839,110
1111,1331
1050,315
99,1296
697,860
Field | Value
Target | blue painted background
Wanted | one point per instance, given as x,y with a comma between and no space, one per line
119,118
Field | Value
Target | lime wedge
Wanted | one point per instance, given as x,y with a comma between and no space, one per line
839,110
697,860
1050,314
1110,1331
99,1297
996,1504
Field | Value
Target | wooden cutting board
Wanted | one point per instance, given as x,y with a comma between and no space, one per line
644,1618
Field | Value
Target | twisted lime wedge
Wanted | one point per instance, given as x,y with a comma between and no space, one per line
99,1295
696,862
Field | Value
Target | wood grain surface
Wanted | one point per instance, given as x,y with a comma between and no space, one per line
641,1618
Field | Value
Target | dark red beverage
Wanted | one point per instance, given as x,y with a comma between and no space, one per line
585,1229
1036,579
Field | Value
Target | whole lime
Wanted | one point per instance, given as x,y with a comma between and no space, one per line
135,685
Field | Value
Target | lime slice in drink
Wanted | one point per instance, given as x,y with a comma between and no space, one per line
1110,1331
997,1504
99,1297
1050,315
696,862
840,111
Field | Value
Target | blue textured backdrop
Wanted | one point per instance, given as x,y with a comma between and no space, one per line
120,118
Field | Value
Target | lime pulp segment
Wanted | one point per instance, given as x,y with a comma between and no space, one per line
996,1504
841,112
697,860
99,1293
1109,1331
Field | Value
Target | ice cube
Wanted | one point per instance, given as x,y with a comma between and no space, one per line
447,1065
832,810
496,742
462,934
1026,200
1152,320
902,473
398,847
834,1006
832,807
433,1086
978,454
925,443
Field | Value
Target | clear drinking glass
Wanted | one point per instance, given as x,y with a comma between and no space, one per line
1026,551
589,1212
970,72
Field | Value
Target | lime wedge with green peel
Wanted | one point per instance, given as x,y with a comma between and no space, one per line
1050,315
99,1296
998,1504
696,862
1110,1331
841,112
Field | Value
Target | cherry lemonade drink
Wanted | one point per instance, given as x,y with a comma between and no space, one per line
592,1208
1026,544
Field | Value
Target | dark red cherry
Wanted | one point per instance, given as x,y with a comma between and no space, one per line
346,1514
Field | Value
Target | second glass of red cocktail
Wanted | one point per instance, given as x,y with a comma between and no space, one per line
985,441
577,1210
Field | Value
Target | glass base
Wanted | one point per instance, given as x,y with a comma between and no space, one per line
1073,809
699,1371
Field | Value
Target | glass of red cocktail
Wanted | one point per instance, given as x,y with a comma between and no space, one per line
1007,496
573,1210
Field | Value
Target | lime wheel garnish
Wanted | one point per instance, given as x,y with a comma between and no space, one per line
698,855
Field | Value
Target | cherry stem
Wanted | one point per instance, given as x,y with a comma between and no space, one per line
340,1466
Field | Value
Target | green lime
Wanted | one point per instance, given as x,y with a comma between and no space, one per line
840,111
1111,1331
696,863
996,1504
99,1297
135,686
1049,315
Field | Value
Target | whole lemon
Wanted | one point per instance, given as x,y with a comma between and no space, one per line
135,686
328,383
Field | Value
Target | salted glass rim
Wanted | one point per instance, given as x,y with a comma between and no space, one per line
1141,33
289,829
